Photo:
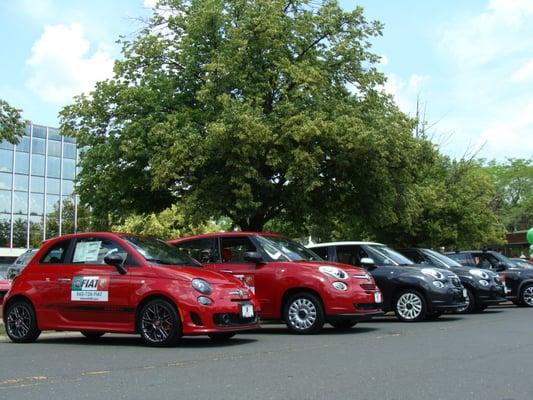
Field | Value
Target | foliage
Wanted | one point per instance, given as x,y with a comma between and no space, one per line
253,110
11,123
513,200
168,224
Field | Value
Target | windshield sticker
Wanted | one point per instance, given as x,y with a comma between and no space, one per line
89,288
86,251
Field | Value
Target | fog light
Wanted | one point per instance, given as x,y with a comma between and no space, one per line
340,286
205,301
483,282
438,284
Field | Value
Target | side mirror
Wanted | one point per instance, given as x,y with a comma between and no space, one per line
368,263
117,261
253,256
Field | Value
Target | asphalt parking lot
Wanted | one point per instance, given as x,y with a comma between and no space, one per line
480,356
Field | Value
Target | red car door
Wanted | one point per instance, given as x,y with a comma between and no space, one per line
94,295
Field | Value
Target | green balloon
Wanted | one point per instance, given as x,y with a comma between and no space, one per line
530,236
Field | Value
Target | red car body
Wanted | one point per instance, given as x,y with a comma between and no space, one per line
4,288
51,290
274,282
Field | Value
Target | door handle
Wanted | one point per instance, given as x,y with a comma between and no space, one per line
227,271
64,279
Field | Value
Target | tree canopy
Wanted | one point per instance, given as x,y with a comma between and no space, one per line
11,123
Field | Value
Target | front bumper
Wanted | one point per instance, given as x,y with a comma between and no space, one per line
491,295
353,303
446,299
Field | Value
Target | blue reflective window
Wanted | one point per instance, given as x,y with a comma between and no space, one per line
5,201
4,144
24,144
22,162
52,186
53,167
38,146
6,160
52,203
53,134
21,182
69,139
68,187
39,131
36,203
5,180
69,168
54,148
37,165
37,184
20,203
69,150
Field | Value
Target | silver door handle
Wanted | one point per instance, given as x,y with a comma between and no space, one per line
226,271
64,279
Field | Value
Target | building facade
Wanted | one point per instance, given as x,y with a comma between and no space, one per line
36,188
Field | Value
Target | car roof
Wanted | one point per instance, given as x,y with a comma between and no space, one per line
89,234
344,243
218,234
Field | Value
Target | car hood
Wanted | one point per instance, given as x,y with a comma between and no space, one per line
416,269
189,273
317,264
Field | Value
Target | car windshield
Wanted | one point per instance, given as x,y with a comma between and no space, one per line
444,260
383,255
282,249
158,252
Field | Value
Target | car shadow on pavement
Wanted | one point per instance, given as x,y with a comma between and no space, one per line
327,330
393,319
135,341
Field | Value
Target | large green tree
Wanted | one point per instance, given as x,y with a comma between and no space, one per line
11,123
254,110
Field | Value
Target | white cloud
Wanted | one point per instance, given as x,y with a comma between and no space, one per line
416,82
524,73
62,65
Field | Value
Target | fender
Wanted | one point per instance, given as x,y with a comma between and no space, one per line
521,285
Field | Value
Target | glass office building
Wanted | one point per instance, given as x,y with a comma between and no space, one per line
36,188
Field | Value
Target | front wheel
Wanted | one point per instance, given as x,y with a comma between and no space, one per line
159,323
410,306
343,324
303,313
526,295
470,303
21,322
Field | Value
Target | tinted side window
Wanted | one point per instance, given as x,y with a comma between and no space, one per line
350,254
93,250
233,248
203,250
321,251
414,256
461,258
56,254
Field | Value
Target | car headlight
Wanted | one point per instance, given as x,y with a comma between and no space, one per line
438,284
340,286
480,274
483,282
334,272
433,273
205,301
201,286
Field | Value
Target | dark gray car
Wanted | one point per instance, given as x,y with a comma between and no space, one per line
20,263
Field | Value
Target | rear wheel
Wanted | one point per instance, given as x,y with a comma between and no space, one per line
410,306
526,295
92,335
159,323
221,336
21,322
343,324
303,313
470,303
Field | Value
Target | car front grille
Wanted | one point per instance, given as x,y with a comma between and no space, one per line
455,282
367,306
232,319
368,286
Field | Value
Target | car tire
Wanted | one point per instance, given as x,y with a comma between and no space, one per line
471,303
481,308
159,323
21,322
526,295
92,335
343,324
410,306
303,313
221,336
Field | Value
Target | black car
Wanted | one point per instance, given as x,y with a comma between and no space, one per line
414,293
483,287
518,281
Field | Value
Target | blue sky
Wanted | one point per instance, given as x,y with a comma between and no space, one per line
469,62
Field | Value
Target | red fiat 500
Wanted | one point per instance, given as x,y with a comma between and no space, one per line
106,282
292,283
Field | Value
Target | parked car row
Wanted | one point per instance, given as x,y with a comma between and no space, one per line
222,283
